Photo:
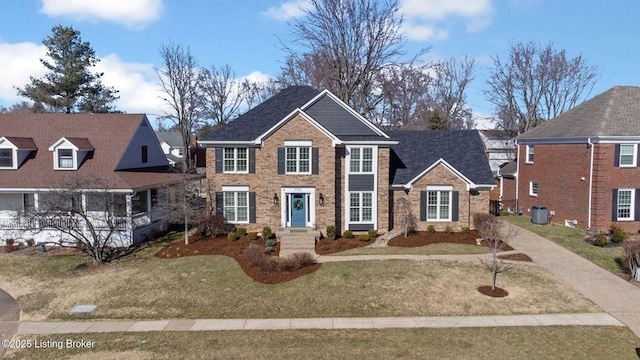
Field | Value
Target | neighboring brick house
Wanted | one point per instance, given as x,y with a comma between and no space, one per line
303,158
114,154
583,165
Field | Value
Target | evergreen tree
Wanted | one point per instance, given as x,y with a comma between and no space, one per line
436,122
70,86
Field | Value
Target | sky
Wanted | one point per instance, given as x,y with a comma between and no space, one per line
246,34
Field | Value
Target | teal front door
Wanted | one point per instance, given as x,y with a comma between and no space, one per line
298,210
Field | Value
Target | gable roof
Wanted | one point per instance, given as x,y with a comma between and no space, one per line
509,169
109,134
612,113
22,143
419,150
173,138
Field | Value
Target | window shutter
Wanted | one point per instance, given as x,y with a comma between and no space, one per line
252,160
454,205
219,203
423,206
638,155
252,207
616,159
219,152
280,160
315,159
637,206
614,206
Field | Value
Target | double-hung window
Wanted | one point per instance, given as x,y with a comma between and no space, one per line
65,158
530,154
361,160
6,158
298,159
439,205
235,160
625,204
533,188
361,207
628,155
236,206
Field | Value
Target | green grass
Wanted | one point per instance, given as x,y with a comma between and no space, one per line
558,342
573,239
432,249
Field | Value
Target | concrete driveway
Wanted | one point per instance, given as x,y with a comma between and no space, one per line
9,317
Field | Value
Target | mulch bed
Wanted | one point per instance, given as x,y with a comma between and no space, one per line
328,247
235,250
422,238
497,292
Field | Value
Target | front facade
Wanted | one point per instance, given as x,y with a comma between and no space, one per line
584,164
109,167
304,159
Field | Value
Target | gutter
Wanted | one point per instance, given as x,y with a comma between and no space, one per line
518,161
590,144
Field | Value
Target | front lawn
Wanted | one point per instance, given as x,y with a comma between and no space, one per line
573,239
556,342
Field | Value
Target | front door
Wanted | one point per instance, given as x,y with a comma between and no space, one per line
298,208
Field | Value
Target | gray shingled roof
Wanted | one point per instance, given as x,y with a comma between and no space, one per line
509,169
339,121
417,150
615,112
173,138
261,118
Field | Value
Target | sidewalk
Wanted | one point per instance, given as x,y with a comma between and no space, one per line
614,295
44,328
473,258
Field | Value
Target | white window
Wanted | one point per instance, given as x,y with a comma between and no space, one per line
235,160
361,207
626,204
439,205
628,155
6,158
533,188
65,158
361,160
529,154
298,160
236,206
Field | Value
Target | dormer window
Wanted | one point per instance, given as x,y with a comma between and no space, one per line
14,151
69,153
65,158
6,158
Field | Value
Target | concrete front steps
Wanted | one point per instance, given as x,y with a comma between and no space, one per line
294,240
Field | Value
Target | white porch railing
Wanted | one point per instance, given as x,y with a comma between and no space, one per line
146,218
17,223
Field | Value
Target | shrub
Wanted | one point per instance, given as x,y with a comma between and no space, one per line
252,236
372,234
618,235
9,244
266,233
31,242
431,229
331,232
483,220
241,231
214,225
256,257
347,234
448,229
296,261
363,237
232,236
465,230
601,240
270,242
631,259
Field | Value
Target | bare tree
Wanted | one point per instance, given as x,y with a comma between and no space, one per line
86,211
451,79
178,80
536,84
496,237
345,44
408,221
222,94
405,97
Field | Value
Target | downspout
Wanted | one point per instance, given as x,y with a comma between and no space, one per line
518,161
590,144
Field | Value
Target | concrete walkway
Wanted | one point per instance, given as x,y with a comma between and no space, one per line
9,316
473,258
614,295
52,327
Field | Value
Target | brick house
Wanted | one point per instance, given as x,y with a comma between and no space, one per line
305,159
583,165
115,155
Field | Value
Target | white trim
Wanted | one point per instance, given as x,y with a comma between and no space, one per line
439,188
260,139
347,197
370,142
634,163
438,204
298,160
591,146
531,193
632,205
374,207
298,143
527,153
235,188
235,161
470,184
311,203
580,140
216,143
235,193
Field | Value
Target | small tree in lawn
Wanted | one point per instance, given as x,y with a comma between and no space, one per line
496,237
87,214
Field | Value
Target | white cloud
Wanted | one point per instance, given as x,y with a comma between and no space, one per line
288,10
18,62
424,19
132,13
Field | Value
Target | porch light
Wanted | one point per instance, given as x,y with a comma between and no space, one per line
275,198
321,199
